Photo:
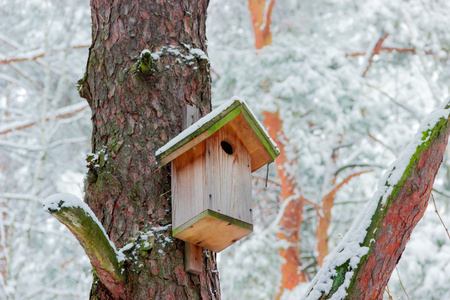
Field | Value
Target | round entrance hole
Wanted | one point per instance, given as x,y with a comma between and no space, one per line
227,147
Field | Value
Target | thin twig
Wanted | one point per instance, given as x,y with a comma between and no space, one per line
268,180
381,143
401,283
389,50
61,113
316,207
394,101
356,165
436,210
389,294
375,51
36,56
442,193
267,175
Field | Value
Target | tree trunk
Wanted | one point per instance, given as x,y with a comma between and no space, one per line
261,12
292,218
361,265
136,100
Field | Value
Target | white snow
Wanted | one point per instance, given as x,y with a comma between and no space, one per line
69,109
198,52
193,52
58,201
191,129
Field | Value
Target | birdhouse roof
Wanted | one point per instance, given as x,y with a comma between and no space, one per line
235,112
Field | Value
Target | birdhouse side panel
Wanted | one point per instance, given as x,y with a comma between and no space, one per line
229,189
188,185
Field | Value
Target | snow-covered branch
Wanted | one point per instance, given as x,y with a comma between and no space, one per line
82,222
33,55
362,263
64,112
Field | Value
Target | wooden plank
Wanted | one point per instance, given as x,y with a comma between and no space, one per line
229,188
260,132
213,231
247,127
200,134
258,152
193,256
190,116
188,185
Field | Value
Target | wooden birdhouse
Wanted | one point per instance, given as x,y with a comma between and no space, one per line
212,161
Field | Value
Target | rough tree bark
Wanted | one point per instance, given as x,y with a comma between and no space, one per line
136,100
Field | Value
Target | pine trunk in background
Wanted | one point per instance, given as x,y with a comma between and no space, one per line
292,216
261,12
136,101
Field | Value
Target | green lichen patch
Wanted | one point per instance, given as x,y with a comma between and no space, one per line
91,237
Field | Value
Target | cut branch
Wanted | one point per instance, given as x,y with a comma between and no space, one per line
81,221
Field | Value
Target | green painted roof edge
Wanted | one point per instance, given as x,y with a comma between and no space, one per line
211,127
260,132
219,121
213,214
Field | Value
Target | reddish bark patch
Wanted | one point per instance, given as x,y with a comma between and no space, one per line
402,215
261,20
292,217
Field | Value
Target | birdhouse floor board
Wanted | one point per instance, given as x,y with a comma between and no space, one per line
213,231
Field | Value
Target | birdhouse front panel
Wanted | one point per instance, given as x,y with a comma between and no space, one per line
212,193
229,188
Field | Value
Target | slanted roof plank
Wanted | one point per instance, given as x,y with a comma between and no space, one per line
239,116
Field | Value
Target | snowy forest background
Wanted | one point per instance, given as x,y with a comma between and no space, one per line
351,81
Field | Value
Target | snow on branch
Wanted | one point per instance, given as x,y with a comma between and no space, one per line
361,264
64,112
82,222
34,55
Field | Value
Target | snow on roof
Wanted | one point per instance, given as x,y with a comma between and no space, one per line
207,122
